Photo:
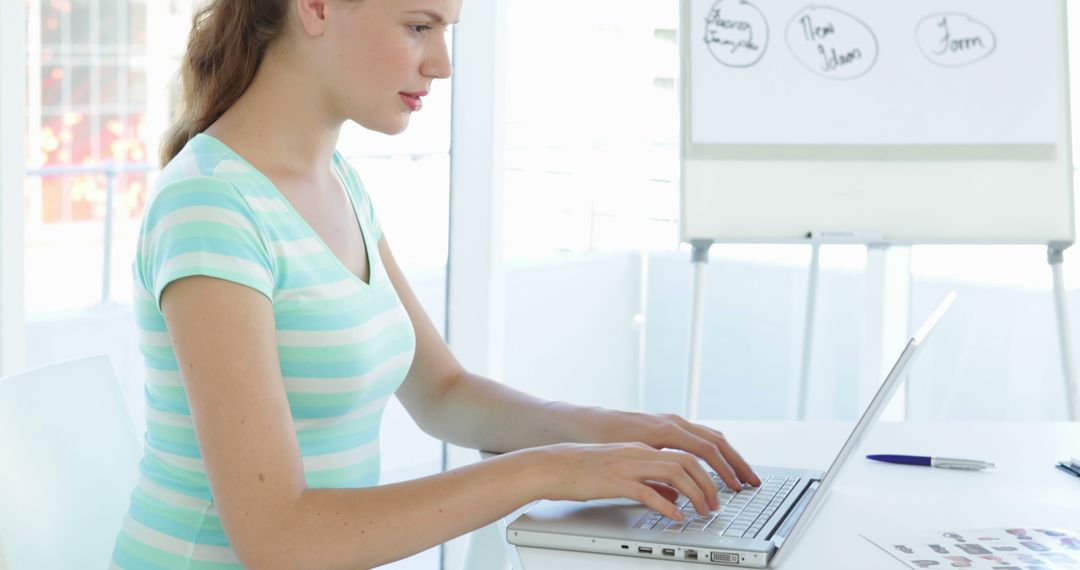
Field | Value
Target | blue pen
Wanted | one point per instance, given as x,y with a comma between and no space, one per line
940,462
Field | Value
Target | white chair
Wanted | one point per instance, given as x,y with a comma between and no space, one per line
69,459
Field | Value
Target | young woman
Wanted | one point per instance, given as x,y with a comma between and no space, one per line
275,323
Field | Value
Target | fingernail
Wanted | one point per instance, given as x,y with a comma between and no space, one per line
678,516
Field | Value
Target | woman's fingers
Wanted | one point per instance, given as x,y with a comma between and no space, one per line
690,466
666,491
700,476
709,451
736,461
648,496
715,449
674,474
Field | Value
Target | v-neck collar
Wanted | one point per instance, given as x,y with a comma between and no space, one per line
294,212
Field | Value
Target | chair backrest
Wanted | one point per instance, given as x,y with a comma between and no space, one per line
69,459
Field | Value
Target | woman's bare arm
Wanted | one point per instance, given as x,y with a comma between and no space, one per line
224,338
456,405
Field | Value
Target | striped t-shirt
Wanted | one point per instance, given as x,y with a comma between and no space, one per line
344,345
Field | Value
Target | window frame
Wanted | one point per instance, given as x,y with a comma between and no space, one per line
12,177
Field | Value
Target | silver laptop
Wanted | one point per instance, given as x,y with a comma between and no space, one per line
754,527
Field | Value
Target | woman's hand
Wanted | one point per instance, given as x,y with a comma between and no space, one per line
582,472
674,432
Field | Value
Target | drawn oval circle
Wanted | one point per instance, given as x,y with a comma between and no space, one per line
832,43
954,39
736,33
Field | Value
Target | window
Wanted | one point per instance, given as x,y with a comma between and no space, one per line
103,91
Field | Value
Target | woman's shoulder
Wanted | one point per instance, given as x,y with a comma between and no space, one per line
207,169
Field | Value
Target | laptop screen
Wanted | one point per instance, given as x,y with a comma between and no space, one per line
870,415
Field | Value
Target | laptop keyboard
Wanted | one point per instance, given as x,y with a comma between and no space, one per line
741,514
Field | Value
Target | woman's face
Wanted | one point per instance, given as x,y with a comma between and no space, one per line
379,57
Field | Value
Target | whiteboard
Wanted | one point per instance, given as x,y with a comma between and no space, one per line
923,121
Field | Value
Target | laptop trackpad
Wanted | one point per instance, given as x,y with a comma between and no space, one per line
573,515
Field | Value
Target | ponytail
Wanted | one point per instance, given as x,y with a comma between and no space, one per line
227,43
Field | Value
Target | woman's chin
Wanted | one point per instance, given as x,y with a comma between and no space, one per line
390,127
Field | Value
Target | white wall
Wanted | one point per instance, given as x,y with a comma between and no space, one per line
570,332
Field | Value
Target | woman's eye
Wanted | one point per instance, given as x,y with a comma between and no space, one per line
419,28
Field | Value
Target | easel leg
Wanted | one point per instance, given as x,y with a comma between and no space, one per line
888,302
700,261
808,329
1056,256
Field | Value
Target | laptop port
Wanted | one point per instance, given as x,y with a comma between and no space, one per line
669,552
691,554
725,557
645,549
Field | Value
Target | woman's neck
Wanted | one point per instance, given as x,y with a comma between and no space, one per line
281,124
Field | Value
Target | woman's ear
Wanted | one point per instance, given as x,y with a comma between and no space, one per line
312,15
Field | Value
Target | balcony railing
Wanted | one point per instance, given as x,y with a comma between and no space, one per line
110,170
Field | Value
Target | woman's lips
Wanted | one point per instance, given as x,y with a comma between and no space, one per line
413,100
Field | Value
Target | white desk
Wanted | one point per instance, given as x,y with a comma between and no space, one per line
1024,490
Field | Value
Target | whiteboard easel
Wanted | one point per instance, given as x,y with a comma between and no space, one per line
920,154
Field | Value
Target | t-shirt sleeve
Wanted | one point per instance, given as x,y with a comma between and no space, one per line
202,226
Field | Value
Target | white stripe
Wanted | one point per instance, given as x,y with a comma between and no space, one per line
173,545
372,407
139,293
341,459
172,498
214,261
297,247
231,166
347,383
268,204
155,339
172,379
191,464
170,419
338,337
323,291
192,214
163,377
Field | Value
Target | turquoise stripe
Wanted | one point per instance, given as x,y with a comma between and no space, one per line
153,470
308,406
349,368
389,339
157,364
175,528
183,449
253,240
290,318
124,556
165,400
149,323
134,555
331,272
195,192
315,445
179,245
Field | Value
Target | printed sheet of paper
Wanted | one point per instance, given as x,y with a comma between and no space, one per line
999,549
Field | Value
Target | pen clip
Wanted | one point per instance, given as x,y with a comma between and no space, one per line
954,463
